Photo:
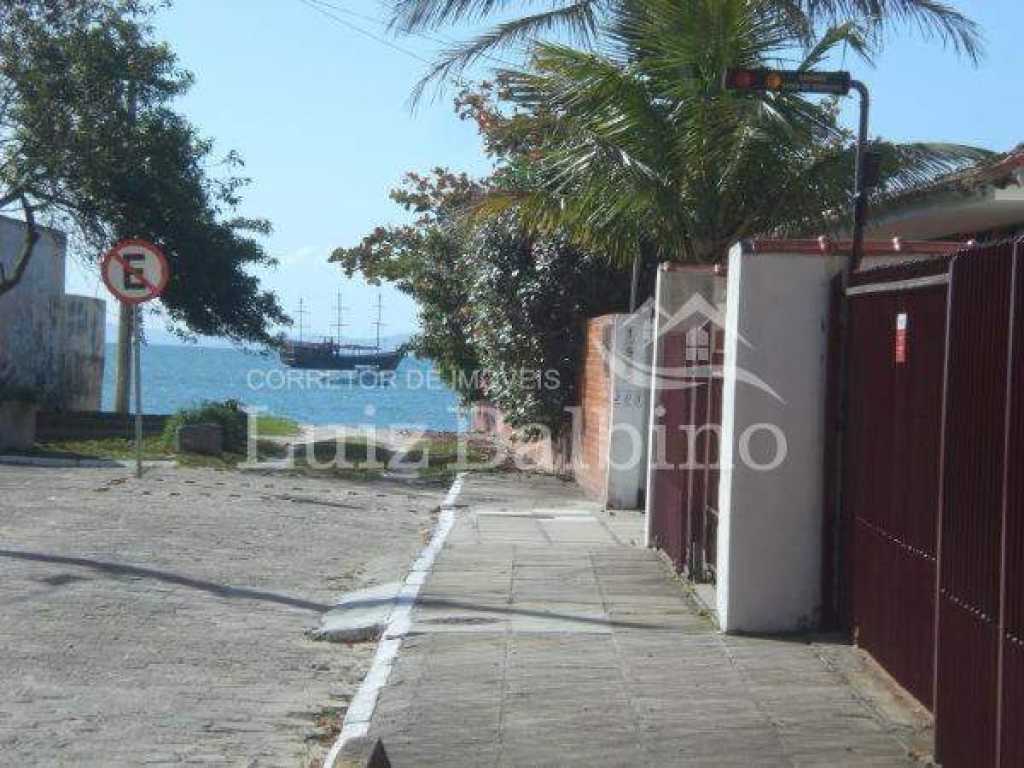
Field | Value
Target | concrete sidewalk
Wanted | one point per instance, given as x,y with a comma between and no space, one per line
546,637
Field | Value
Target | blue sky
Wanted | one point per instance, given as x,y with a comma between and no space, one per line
320,113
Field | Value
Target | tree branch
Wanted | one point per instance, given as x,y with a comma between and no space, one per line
28,243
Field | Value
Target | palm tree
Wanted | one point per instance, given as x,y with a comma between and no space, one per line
583,22
641,151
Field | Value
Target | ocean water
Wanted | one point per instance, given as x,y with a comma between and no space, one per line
174,377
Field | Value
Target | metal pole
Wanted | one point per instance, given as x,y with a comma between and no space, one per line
380,318
137,344
860,214
860,198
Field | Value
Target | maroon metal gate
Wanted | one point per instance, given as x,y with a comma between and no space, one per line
670,484
932,528
712,447
895,354
1011,635
685,490
705,350
979,718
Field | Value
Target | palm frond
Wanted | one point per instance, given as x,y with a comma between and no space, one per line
910,166
849,33
418,15
817,199
577,18
642,149
932,18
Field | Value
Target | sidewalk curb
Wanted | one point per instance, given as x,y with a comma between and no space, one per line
54,462
360,711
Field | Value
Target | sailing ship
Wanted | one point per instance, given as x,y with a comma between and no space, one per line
332,354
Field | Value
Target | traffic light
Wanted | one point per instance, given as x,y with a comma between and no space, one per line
787,81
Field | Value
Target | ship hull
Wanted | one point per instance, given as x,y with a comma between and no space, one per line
320,357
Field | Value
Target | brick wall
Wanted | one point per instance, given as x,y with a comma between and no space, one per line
591,461
582,451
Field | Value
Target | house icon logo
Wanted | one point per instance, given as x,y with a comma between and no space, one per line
685,339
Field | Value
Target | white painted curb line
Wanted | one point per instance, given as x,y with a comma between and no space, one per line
360,711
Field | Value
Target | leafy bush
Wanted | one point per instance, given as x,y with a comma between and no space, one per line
228,414
530,300
499,306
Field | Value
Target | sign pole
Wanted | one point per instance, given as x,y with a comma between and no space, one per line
137,355
135,271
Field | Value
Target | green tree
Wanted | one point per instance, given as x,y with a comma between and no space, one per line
530,300
502,311
89,141
427,260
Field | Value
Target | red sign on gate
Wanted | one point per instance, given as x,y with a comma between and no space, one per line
899,348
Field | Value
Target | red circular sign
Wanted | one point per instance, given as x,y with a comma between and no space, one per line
135,271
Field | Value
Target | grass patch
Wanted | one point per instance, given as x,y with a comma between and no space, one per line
153,448
276,426
443,457
432,458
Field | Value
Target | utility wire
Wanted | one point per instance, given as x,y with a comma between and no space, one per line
436,38
322,6
366,33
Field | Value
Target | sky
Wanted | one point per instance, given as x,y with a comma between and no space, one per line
320,112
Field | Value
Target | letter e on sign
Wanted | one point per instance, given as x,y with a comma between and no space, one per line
899,349
135,271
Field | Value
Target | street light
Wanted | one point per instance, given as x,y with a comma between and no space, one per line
761,80
866,176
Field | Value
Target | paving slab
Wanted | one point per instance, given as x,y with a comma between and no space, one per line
545,636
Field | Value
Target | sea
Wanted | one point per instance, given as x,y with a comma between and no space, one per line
178,376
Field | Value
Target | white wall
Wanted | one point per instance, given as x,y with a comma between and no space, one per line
770,522
630,408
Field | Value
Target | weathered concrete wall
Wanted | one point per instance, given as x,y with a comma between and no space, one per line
26,345
49,341
94,425
82,329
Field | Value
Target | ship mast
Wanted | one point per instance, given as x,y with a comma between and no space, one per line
380,318
302,313
339,307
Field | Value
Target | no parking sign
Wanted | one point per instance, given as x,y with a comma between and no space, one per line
135,271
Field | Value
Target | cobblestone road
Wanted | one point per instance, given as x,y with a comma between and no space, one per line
161,621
